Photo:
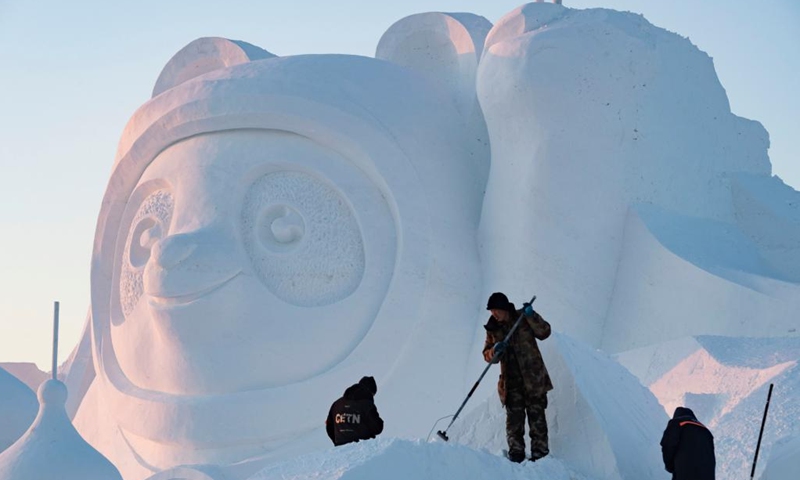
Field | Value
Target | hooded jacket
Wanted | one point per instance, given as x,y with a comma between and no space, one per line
354,416
688,447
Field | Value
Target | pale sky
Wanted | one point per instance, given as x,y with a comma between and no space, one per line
74,72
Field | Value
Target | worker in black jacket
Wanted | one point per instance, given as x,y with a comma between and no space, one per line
354,417
688,447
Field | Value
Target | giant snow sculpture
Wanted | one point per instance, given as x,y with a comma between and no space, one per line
274,228
643,209
270,230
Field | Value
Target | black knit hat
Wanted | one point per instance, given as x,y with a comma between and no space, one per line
369,384
498,301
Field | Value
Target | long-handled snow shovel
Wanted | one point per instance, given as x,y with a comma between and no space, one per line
443,434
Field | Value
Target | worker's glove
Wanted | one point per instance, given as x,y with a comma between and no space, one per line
500,348
528,309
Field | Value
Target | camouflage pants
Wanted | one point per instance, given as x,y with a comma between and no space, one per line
517,406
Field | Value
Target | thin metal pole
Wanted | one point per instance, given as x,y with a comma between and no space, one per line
443,434
55,341
763,421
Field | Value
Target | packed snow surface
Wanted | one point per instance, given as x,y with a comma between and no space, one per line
395,459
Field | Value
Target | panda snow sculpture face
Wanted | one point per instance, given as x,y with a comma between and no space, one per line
247,259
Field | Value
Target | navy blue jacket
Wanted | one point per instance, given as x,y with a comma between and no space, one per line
353,417
688,447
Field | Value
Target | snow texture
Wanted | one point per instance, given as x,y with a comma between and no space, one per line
782,463
395,459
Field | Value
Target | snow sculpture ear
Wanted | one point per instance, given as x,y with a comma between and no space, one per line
445,47
204,55
523,19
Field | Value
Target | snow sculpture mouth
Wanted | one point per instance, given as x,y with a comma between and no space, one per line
166,301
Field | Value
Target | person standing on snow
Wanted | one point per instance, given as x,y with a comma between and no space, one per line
524,381
688,447
354,417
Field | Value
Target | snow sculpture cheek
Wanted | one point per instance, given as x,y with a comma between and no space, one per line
241,253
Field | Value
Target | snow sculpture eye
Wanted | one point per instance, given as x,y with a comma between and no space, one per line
150,224
302,238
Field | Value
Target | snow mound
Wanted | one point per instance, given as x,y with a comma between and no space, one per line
725,381
17,409
395,459
782,464
51,448
601,420
26,372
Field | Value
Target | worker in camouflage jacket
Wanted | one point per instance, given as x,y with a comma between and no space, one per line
524,381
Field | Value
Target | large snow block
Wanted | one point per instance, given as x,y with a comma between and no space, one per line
768,211
601,420
681,276
591,112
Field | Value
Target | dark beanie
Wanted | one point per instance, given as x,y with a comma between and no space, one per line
497,300
369,384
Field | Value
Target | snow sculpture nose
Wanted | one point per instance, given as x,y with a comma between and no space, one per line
171,251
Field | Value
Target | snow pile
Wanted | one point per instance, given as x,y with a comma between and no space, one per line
51,448
725,382
782,464
394,459
17,409
28,373
602,421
